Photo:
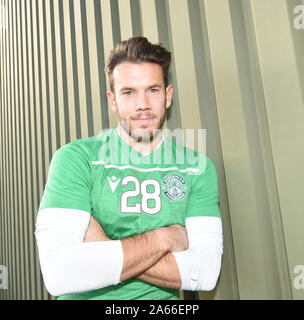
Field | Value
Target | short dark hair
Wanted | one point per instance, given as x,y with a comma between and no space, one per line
136,50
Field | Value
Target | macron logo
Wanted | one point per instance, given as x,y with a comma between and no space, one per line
113,182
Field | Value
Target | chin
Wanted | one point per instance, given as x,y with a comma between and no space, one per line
145,132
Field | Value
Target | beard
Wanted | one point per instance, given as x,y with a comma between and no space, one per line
143,133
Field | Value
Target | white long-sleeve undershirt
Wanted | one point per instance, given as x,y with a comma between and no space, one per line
70,265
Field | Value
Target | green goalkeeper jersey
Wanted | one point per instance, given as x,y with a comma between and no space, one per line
129,193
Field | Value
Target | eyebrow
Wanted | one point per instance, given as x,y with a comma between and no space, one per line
130,88
125,89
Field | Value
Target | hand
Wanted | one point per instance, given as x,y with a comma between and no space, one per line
177,237
95,232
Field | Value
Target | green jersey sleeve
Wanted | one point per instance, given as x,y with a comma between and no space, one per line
204,195
68,183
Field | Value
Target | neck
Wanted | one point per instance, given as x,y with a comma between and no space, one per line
141,147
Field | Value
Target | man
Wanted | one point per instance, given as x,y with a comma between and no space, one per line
118,220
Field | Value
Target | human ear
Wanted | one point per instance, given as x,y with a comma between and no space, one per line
169,93
112,101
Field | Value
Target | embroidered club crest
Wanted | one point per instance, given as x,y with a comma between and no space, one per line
174,187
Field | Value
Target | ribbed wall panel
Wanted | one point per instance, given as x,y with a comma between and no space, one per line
237,71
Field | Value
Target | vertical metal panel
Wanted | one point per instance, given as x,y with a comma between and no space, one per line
28,195
107,27
125,19
149,20
10,102
3,144
80,67
9,141
16,151
70,107
87,70
185,74
108,43
20,144
102,104
54,133
136,18
94,66
228,286
44,91
228,78
39,134
5,222
2,148
284,105
165,37
60,73
33,151
268,211
243,211
15,234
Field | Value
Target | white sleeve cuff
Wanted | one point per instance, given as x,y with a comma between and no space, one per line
199,266
188,267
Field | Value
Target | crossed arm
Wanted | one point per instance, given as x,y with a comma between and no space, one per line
71,241
148,256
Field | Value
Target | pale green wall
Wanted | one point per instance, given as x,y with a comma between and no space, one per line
237,71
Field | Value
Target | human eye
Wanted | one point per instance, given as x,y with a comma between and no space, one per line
127,93
154,90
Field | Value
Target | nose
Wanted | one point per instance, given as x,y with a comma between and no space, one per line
142,102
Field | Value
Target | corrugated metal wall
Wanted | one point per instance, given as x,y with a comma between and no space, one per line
237,71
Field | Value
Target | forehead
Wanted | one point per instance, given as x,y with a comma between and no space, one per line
137,74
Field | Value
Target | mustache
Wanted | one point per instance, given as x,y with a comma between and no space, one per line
142,115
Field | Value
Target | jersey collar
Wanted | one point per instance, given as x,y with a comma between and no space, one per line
148,153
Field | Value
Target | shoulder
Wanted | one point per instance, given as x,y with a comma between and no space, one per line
85,149
195,162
